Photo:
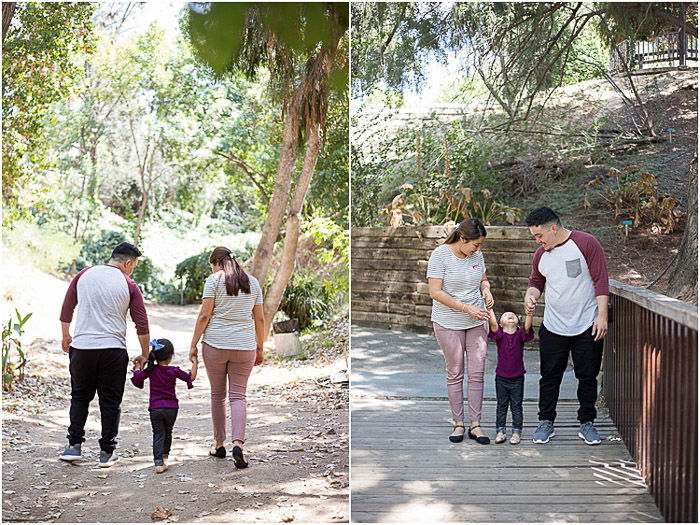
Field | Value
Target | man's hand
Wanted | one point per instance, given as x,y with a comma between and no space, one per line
530,303
139,361
65,343
600,328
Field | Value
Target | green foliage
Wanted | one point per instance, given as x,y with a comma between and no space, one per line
307,299
193,271
391,42
12,344
49,251
39,67
146,274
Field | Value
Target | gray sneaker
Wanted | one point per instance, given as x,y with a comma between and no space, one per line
589,434
544,432
71,453
107,459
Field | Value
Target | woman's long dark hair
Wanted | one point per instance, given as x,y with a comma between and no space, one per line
468,230
160,355
235,278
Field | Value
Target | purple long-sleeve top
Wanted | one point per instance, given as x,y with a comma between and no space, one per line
163,378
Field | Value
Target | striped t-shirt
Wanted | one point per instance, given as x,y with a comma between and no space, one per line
231,325
461,279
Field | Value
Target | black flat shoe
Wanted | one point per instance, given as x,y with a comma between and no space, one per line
218,452
481,440
238,458
457,438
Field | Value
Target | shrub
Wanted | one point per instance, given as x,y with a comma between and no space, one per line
192,272
307,299
146,274
12,341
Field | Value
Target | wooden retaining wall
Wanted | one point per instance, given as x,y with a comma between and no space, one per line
389,286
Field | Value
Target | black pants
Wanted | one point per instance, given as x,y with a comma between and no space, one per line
162,422
587,356
101,371
509,392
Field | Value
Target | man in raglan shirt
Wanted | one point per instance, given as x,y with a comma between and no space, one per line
98,358
570,268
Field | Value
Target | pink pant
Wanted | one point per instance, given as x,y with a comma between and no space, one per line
236,365
455,345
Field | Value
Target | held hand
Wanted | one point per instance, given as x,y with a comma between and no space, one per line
488,299
194,359
259,357
600,328
530,303
480,314
194,352
65,343
139,361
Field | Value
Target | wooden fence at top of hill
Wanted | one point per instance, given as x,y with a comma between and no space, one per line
389,286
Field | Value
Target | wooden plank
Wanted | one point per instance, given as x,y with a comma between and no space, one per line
534,504
496,232
371,296
467,514
488,499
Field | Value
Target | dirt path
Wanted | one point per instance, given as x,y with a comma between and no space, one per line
297,442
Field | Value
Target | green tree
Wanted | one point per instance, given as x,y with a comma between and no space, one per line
41,46
299,43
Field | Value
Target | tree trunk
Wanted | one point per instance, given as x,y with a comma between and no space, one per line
280,194
8,11
683,282
291,239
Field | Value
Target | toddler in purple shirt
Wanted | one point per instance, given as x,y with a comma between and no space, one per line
162,403
510,371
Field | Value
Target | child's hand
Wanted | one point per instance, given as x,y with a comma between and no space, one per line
138,365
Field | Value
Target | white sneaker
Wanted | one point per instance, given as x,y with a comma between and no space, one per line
515,438
500,437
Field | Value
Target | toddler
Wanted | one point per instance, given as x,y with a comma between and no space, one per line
163,405
510,371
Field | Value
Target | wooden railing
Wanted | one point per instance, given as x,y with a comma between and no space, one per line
650,384
671,49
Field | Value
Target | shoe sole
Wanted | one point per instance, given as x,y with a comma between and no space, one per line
588,442
108,464
541,442
70,458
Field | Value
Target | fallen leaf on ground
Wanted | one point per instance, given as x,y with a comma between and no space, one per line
161,513
288,519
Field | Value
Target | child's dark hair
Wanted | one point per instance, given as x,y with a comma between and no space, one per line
161,354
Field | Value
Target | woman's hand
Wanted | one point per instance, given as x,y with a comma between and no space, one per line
258,357
480,314
488,299
194,352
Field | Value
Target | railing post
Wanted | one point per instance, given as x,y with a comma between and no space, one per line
682,40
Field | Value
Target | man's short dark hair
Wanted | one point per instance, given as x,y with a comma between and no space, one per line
542,216
125,250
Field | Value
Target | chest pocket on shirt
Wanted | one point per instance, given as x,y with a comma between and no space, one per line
573,268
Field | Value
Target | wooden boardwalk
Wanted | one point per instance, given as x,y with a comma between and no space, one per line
403,468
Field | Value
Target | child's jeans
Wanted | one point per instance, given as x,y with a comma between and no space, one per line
232,367
509,392
458,345
162,422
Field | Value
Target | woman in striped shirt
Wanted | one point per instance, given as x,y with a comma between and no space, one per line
231,326
461,294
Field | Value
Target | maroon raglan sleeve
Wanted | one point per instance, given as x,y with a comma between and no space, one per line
137,308
537,280
71,298
593,252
